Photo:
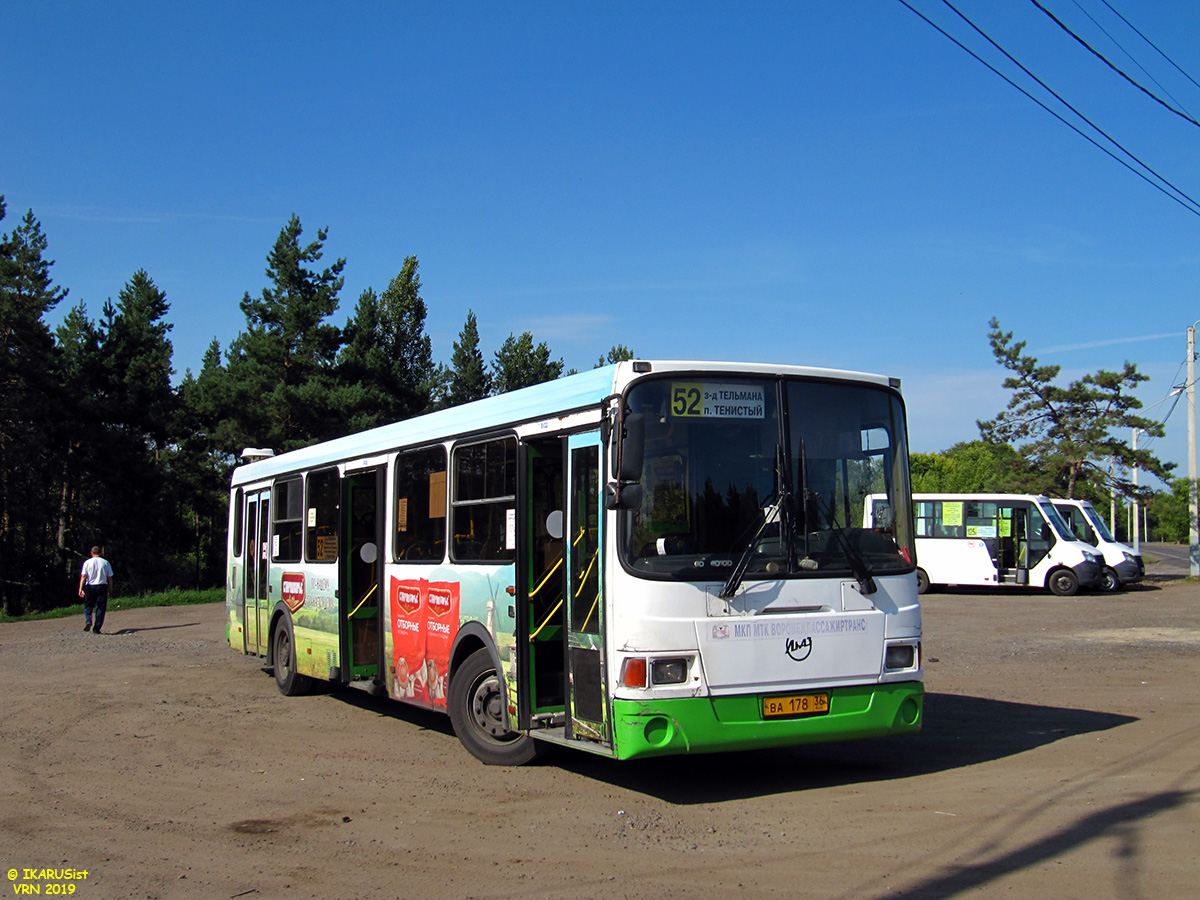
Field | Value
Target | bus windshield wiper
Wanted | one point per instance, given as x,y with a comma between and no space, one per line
858,566
774,513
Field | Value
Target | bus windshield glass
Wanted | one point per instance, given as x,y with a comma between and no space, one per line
1098,523
768,476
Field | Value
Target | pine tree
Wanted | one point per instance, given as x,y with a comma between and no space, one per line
618,353
469,378
281,370
386,365
520,364
30,416
1070,434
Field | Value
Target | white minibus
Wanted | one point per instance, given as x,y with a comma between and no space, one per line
992,540
1121,565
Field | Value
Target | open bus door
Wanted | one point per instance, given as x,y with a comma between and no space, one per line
587,701
256,606
360,600
1013,556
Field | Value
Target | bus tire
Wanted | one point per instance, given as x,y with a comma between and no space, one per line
922,581
476,705
1063,582
291,683
1109,582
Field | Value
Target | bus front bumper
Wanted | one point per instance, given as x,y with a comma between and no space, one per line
715,724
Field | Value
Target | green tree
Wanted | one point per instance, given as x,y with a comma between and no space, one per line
386,365
618,353
30,417
282,383
469,377
974,467
519,364
1169,513
1070,433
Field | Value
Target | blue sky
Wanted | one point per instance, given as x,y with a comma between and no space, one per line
820,183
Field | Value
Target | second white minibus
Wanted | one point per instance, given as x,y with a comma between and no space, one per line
1121,565
992,540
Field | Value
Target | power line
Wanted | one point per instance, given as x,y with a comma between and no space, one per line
1182,199
1129,55
1150,42
1105,60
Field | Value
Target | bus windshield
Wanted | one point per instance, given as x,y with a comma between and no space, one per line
768,476
1098,523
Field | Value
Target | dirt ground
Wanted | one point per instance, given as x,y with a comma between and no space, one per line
1060,759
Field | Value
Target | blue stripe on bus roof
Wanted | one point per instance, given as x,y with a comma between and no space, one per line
527,404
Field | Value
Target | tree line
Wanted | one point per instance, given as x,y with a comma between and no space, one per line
98,446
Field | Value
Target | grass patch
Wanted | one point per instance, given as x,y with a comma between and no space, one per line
165,598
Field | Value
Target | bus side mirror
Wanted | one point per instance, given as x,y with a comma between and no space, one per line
629,447
633,447
622,496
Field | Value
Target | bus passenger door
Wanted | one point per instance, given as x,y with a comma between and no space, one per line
587,696
255,572
1014,557
361,603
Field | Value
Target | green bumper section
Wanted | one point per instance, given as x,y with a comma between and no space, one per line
713,724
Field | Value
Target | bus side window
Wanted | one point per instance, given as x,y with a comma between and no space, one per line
286,513
420,534
484,501
324,493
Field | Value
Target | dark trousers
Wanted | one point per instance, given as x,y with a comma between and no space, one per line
95,596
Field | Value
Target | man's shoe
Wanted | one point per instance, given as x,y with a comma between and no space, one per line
87,626
96,630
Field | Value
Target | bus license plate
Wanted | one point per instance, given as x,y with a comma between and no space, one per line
794,706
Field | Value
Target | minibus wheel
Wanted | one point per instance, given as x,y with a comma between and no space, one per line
1063,582
476,705
922,581
1109,582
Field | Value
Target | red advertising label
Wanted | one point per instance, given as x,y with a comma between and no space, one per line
441,627
408,637
292,587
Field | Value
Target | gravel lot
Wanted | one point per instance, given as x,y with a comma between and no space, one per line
1060,758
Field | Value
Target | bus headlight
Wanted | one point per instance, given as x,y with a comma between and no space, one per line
899,656
669,671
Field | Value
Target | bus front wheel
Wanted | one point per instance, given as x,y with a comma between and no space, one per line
1064,583
476,706
1109,581
922,581
291,683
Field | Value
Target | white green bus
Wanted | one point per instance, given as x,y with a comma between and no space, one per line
648,558
992,540
1122,565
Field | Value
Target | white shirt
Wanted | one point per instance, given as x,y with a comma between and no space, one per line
96,570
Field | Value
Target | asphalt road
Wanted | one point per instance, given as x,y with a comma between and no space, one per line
1165,560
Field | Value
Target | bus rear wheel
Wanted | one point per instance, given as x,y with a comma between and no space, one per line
1064,583
922,581
476,706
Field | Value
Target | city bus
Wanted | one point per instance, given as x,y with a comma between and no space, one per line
1122,565
648,558
992,540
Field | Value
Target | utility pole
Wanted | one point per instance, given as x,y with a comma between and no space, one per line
1134,501
1193,500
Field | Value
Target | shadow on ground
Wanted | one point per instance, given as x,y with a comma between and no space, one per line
959,731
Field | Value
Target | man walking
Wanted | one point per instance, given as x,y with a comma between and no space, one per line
95,583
